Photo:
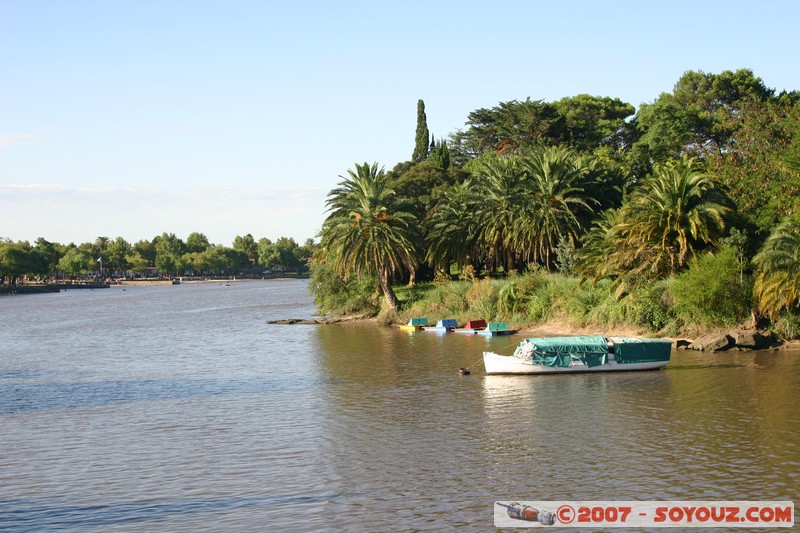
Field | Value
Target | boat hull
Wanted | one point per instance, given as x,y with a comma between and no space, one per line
437,329
494,333
504,364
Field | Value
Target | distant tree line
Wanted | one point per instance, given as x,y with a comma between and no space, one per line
165,254
586,186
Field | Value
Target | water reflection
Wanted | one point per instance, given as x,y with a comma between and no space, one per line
177,410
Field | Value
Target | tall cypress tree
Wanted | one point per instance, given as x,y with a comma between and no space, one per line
421,146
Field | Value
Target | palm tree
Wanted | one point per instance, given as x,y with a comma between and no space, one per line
559,180
595,256
522,205
102,243
451,228
500,207
368,232
777,284
677,211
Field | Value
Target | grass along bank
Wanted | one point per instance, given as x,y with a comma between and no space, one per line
684,305
712,295
535,300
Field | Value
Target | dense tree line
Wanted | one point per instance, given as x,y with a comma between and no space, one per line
589,186
165,254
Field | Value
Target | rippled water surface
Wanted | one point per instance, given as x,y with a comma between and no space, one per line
180,409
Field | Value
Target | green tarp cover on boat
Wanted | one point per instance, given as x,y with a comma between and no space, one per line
559,351
628,350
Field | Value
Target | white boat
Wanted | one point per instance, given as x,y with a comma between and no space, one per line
554,355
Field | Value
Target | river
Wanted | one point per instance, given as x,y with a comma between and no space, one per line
178,408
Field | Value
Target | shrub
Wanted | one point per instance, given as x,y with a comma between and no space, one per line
583,305
441,277
713,291
481,299
508,302
539,304
566,256
455,297
467,273
332,294
787,326
649,305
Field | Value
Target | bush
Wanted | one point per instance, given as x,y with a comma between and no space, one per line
650,305
455,297
566,256
332,294
585,304
467,273
787,326
713,291
441,277
482,299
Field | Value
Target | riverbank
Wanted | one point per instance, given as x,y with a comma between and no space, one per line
47,288
145,282
708,341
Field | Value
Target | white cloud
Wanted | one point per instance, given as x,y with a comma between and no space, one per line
31,187
9,139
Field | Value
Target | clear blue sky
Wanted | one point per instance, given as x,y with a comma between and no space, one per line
131,118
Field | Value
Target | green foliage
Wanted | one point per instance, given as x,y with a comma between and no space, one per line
593,121
566,257
416,185
246,244
509,301
169,253
754,168
512,211
146,250
422,135
197,242
440,155
582,304
593,259
695,119
441,277
510,126
166,252
649,305
75,262
583,122
282,255
538,297
677,211
45,257
787,325
711,292
451,230
540,304
116,254
369,231
467,273
482,299
333,294
136,263
558,199
777,284
15,259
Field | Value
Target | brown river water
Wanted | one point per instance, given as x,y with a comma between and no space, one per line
180,409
